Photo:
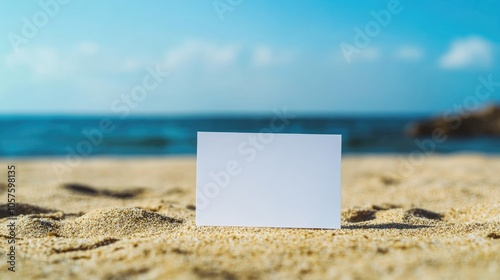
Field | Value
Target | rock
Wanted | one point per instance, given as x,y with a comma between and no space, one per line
484,122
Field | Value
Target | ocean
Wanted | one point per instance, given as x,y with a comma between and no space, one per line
42,136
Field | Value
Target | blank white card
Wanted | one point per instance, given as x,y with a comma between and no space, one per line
268,180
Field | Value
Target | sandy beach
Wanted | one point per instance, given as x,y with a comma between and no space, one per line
134,218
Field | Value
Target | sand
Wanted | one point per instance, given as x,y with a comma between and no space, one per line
134,218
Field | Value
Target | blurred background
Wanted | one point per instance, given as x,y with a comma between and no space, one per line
140,78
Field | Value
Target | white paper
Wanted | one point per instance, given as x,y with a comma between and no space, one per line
268,180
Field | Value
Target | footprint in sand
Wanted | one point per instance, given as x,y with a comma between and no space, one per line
494,235
422,213
362,215
84,245
91,191
24,209
358,215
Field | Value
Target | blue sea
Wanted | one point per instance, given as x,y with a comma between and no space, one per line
41,136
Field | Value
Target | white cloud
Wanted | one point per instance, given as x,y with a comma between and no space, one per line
41,62
409,53
88,48
264,56
471,52
370,54
85,59
133,64
207,53
214,56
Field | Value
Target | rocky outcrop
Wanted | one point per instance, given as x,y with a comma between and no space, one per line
484,122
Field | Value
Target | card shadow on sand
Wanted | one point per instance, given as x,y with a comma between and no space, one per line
386,226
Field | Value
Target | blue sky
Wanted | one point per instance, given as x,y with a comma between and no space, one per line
231,56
